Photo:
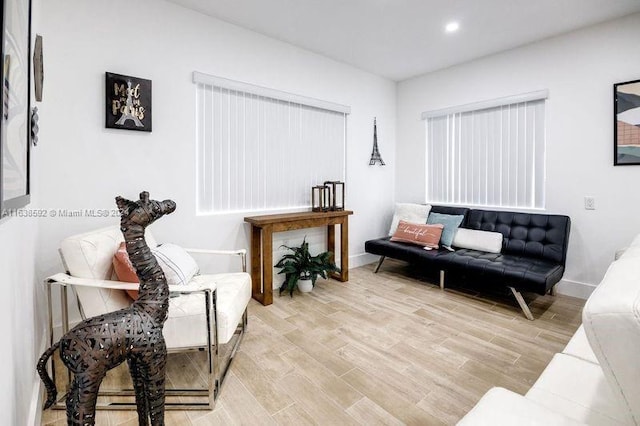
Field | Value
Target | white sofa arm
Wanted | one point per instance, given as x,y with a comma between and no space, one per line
240,252
65,279
500,406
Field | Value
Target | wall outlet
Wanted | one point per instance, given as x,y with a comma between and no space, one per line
589,203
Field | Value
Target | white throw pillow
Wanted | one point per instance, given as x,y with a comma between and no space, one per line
178,265
472,239
409,212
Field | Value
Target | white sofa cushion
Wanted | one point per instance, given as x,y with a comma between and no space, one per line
186,324
178,265
577,389
90,255
473,239
611,319
501,407
409,212
579,347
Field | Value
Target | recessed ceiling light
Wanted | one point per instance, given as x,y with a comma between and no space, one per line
452,27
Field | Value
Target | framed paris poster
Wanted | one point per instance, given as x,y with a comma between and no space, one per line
128,102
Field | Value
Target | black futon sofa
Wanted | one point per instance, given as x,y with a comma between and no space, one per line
533,256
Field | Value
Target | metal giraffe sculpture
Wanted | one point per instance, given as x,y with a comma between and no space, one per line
134,334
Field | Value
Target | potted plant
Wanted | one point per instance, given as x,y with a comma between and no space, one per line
301,269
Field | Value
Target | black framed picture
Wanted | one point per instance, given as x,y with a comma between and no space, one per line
128,102
626,126
15,105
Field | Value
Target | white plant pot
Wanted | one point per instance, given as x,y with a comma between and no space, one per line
305,286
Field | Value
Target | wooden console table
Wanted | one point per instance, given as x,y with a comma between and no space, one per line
262,229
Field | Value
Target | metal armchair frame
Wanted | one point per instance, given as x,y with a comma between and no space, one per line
215,376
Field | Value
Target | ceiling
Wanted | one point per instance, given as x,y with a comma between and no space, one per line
399,39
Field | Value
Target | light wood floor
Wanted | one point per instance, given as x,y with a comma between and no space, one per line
381,349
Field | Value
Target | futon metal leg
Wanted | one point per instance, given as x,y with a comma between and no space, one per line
379,264
441,280
552,291
522,303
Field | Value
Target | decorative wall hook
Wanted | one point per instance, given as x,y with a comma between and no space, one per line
34,126
375,154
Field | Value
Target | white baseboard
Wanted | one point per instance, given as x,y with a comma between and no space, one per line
362,259
575,289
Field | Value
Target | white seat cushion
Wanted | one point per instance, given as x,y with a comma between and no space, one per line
186,324
501,407
579,347
577,389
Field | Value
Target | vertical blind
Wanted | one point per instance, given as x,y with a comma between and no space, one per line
491,156
259,149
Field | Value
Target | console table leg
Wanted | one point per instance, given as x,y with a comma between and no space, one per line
267,265
344,250
256,262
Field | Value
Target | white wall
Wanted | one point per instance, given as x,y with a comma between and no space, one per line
20,320
579,70
88,165
22,310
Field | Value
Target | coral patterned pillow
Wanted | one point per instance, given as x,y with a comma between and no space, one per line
124,269
424,235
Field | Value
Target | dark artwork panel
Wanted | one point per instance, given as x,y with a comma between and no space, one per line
128,102
626,148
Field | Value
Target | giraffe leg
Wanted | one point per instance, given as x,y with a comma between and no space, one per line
142,405
83,397
72,403
153,369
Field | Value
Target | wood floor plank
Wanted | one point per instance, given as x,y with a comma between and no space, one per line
389,399
314,401
261,385
332,385
368,413
294,415
320,353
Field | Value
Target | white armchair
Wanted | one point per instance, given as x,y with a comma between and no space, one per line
210,310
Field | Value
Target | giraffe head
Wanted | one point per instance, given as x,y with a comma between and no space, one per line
144,211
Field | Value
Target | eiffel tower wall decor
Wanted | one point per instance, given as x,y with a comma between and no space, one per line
128,102
375,153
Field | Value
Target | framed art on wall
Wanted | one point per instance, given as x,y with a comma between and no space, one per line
14,126
626,126
128,102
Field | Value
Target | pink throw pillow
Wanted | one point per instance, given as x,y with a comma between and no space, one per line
124,269
420,234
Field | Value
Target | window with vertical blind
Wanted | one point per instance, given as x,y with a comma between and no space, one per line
488,154
263,149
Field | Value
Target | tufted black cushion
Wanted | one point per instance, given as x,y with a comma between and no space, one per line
523,272
537,236
402,251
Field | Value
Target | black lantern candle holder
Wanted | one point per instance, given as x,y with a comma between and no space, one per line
336,195
320,198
